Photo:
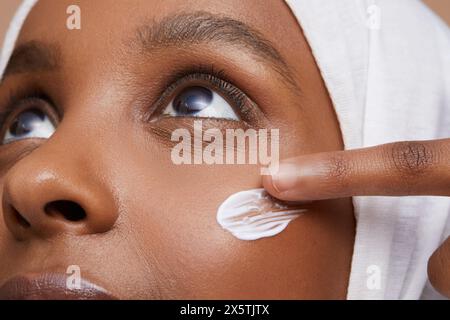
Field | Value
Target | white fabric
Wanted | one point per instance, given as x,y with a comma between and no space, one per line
13,32
389,80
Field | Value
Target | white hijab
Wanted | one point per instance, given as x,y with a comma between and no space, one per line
386,65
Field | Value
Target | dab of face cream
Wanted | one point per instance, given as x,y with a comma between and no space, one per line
254,214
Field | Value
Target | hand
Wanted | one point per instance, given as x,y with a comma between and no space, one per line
395,169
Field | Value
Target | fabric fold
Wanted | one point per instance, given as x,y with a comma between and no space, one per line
386,65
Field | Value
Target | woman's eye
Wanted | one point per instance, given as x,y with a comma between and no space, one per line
201,102
30,123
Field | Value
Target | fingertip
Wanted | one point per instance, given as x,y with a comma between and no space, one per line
267,182
438,269
283,183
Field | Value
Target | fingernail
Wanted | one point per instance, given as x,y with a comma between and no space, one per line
286,178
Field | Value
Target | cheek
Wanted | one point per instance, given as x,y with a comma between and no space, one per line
173,209
172,212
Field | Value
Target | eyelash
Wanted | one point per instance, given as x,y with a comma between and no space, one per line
216,79
21,97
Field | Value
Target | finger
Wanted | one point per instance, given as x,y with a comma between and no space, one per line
395,169
439,269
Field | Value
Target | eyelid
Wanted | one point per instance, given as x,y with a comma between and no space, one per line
21,95
214,80
17,105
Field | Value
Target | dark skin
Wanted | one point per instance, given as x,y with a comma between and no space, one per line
150,227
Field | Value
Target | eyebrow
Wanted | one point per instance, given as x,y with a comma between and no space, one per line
178,30
202,27
33,56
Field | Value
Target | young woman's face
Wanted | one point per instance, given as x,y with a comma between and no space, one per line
103,193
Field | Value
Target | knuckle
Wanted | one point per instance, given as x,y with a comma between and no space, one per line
412,160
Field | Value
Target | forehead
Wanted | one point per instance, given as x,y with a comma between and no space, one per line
105,44
106,22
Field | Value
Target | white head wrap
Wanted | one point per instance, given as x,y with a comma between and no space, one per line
13,32
386,65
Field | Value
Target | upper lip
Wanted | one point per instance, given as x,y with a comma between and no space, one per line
50,286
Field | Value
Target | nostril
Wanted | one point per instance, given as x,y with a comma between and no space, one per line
68,210
20,219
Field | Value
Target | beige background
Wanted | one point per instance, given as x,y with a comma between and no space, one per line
7,8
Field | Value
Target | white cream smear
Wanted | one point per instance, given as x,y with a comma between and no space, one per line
254,214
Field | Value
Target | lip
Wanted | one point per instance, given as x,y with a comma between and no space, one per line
50,286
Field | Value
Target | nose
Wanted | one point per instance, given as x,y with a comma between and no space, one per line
43,197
